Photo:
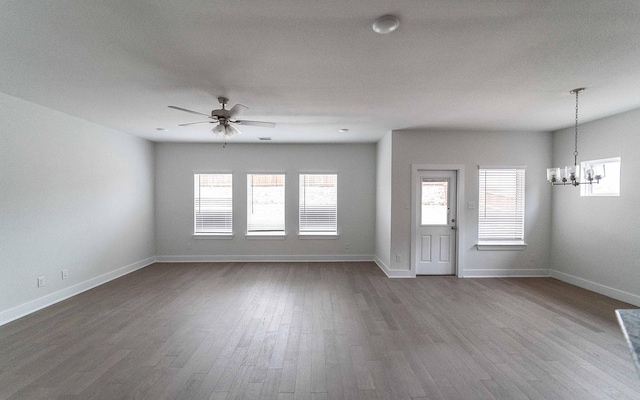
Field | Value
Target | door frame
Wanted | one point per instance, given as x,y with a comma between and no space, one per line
459,168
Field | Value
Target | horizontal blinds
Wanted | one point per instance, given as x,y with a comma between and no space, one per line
318,207
501,204
265,203
213,203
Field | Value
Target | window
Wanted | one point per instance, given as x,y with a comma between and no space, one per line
213,204
318,204
501,206
265,204
609,170
434,204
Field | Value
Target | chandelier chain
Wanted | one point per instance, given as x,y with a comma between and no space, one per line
575,151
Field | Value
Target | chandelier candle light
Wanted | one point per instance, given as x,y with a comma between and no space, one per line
571,175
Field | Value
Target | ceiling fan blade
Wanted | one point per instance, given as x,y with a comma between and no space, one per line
237,110
197,123
256,123
189,111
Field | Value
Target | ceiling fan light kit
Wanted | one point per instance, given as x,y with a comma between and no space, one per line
225,119
571,175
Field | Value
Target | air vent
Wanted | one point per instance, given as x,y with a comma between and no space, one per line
264,138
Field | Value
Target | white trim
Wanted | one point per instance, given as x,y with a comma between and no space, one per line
506,273
306,236
502,167
266,258
204,236
460,223
392,273
498,246
52,298
263,236
598,288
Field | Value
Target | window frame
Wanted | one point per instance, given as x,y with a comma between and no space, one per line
503,243
212,234
586,190
317,234
270,235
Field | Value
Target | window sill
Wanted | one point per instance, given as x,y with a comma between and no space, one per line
317,235
501,246
266,236
206,236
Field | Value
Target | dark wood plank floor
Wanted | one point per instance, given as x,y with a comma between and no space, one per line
318,331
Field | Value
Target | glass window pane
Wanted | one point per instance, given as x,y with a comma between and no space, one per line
265,203
434,202
213,203
608,170
318,204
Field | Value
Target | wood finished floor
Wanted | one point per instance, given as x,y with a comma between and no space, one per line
318,331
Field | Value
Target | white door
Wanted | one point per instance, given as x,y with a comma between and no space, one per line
435,238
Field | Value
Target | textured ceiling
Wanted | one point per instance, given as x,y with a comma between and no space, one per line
316,66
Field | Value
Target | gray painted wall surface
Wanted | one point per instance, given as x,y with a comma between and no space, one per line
355,165
73,195
383,201
595,239
532,149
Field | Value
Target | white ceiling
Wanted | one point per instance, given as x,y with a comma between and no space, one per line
316,66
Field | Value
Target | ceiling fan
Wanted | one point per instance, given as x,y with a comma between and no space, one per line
225,118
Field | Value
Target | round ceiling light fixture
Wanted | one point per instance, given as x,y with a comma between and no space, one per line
386,24
343,130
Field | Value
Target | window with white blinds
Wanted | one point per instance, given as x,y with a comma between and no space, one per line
265,204
501,205
213,204
318,204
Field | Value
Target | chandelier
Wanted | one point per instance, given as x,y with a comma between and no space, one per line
571,175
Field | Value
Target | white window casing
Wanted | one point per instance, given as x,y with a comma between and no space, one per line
265,204
609,171
318,204
213,204
501,208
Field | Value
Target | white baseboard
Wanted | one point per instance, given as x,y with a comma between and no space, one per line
505,273
52,298
598,288
267,258
392,273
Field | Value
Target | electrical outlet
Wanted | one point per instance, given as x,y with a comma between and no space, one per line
40,281
347,246
65,273
188,246
398,258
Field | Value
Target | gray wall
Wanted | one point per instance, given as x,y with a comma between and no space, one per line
383,202
595,239
532,149
355,165
73,195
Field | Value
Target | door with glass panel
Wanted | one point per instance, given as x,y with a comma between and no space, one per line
435,241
